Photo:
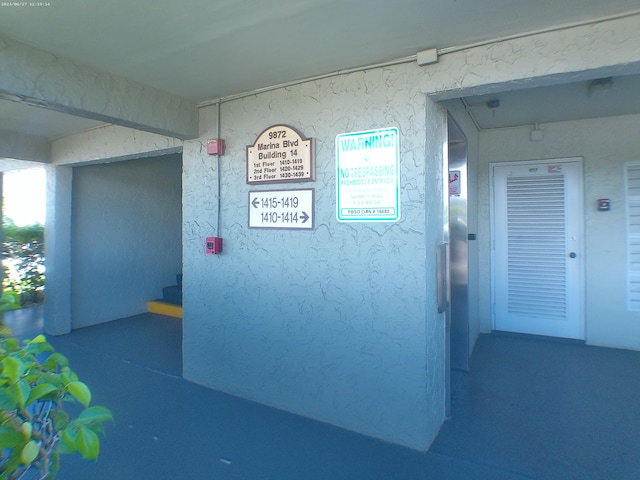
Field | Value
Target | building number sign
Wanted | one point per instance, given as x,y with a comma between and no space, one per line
280,154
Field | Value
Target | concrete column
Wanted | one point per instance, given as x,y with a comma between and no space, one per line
57,307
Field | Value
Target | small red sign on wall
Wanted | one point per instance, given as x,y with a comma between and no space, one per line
454,183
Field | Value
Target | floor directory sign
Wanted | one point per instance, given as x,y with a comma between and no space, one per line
368,176
281,209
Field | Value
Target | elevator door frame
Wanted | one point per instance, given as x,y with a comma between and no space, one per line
458,263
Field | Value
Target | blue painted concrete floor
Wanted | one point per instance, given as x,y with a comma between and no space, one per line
529,408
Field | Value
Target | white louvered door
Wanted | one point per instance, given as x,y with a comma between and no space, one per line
632,191
537,251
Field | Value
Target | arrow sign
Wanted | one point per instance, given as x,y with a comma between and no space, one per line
281,209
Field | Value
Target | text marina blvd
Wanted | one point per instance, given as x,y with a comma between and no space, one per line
280,154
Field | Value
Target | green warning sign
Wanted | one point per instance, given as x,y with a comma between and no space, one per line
368,176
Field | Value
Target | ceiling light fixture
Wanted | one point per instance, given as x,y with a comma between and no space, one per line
493,104
536,133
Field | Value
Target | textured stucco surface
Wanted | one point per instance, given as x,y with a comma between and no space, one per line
126,236
605,144
338,323
580,53
111,143
65,86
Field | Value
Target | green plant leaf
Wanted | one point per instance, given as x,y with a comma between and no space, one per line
60,419
19,392
94,415
7,402
67,441
40,391
80,392
39,339
35,347
53,378
9,301
68,375
9,437
11,344
87,443
30,452
56,360
12,368
4,331
27,429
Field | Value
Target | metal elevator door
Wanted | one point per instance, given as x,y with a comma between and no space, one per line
458,247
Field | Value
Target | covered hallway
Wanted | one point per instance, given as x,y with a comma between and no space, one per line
344,321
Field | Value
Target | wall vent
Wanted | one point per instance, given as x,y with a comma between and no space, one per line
632,191
536,246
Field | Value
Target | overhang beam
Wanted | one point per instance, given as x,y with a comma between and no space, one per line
21,146
38,78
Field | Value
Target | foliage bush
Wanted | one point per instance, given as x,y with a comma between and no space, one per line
8,301
35,382
23,246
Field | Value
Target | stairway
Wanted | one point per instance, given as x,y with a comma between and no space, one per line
171,302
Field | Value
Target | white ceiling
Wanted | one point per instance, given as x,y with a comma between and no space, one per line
205,49
604,97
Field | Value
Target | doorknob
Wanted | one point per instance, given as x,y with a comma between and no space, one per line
573,255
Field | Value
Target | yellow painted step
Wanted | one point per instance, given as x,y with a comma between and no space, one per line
156,306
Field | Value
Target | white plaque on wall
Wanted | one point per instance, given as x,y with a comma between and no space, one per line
280,154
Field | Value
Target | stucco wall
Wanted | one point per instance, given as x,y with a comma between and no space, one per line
605,144
338,323
126,236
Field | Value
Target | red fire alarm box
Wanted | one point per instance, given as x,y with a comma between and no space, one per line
214,245
215,146
604,204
